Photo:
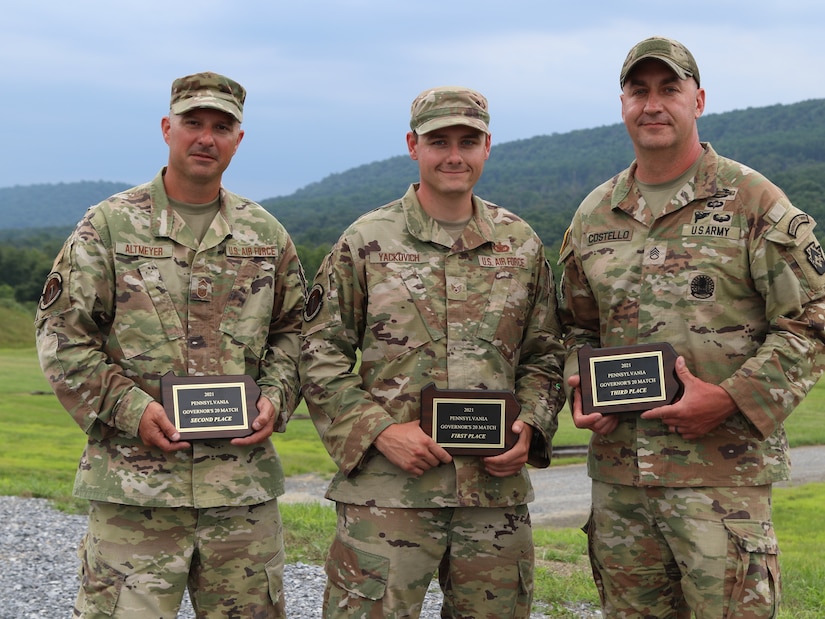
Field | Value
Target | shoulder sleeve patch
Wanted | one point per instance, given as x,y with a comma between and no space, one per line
52,290
792,229
813,251
798,221
314,303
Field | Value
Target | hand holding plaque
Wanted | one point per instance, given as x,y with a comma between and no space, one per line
628,378
210,406
470,422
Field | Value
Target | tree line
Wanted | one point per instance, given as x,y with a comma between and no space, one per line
542,179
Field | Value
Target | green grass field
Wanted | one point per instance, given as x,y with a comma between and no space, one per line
40,446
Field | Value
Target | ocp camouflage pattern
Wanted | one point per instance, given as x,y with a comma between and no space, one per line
479,313
134,561
131,297
381,562
732,275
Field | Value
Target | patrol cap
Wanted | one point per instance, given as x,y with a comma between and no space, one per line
208,90
445,106
671,52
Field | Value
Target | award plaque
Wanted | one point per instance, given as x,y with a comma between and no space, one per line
628,378
210,406
472,422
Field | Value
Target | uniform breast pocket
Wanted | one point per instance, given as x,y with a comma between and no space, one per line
146,318
402,314
249,305
505,316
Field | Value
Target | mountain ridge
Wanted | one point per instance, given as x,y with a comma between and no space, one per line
542,178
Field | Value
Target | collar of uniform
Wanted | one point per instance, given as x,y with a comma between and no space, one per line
165,224
479,230
625,182
163,220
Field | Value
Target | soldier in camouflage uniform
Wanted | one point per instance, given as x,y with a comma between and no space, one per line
177,275
697,250
437,287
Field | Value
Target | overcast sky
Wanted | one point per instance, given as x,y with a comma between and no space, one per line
330,82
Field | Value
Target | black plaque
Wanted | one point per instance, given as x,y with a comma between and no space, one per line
210,406
473,422
628,378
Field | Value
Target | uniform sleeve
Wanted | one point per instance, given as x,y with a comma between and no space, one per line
539,372
788,268
578,307
72,323
279,367
347,419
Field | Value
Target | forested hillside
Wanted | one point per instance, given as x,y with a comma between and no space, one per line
60,204
542,179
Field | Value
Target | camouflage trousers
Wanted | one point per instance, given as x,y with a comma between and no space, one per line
382,560
665,553
137,561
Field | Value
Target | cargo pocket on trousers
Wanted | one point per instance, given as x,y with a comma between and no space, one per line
362,573
274,569
753,576
587,529
525,573
99,581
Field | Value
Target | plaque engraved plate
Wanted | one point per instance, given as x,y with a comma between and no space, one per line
210,406
625,379
472,422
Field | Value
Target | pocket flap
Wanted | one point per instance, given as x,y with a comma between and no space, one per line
753,535
357,571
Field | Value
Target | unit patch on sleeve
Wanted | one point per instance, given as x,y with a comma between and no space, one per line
314,303
815,257
52,290
799,220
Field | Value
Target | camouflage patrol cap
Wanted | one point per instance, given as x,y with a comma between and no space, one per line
445,106
208,90
671,52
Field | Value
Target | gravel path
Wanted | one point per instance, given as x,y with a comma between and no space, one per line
38,568
38,563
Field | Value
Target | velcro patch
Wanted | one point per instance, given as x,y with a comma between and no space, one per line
799,220
495,262
144,251
52,290
702,287
815,257
314,302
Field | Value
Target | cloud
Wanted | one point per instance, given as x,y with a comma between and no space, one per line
330,81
